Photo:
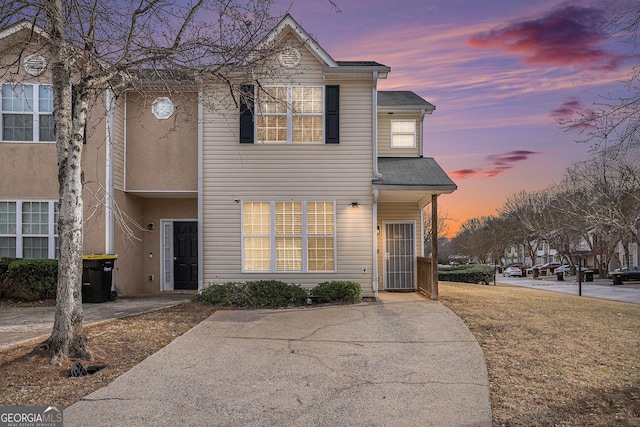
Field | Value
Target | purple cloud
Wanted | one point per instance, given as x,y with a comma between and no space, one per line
567,36
498,163
574,111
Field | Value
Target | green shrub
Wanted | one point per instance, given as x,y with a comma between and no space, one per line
36,278
273,293
4,267
254,294
469,274
337,291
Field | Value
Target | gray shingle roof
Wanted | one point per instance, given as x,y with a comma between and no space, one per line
413,172
403,98
360,64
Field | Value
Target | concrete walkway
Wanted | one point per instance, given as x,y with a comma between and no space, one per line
403,360
21,324
599,288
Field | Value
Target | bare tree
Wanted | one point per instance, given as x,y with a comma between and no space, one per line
615,123
606,194
94,46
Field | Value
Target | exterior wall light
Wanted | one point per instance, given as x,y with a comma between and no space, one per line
355,204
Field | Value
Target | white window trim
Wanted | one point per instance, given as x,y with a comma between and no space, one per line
290,114
414,133
305,238
35,113
51,228
166,262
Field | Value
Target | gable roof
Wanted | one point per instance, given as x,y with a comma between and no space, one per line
403,100
416,172
288,23
22,25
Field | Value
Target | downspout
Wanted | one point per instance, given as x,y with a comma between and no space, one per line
422,113
109,219
374,130
374,270
200,190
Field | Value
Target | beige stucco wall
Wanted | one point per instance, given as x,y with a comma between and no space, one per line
129,245
28,171
161,155
384,136
281,172
138,248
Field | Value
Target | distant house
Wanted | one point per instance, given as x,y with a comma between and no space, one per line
314,175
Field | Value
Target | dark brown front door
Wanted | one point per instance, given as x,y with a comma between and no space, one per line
185,255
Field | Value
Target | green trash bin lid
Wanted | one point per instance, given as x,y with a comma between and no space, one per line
100,256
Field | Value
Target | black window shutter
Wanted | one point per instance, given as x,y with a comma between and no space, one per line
246,114
332,114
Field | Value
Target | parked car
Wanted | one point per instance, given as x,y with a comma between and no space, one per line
512,270
628,273
530,269
566,269
550,266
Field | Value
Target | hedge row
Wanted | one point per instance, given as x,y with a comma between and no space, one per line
277,294
477,273
28,279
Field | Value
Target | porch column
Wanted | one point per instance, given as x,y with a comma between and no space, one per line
434,245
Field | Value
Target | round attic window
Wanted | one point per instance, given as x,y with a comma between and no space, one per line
162,108
289,57
34,64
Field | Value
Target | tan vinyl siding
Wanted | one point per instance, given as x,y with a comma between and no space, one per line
384,136
397,212
282,172
118,144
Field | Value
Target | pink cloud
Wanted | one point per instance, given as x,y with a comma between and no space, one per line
567,36
574,111
498,163
464,173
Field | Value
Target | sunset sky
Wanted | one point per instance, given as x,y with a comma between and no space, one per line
501,74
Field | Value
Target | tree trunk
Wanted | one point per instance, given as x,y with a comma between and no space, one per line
67,338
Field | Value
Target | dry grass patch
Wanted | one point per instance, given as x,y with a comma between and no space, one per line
553,359
121,344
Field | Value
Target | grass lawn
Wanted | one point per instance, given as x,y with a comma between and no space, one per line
554,359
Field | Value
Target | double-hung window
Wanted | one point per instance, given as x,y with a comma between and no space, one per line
403,133
288,236
290,114
28,229
27,113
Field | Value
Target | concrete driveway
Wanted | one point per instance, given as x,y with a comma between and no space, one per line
403,360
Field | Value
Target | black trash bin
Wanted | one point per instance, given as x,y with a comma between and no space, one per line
589,276
97,273
560,276
617,278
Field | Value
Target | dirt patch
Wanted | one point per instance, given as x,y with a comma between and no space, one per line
121,344
553,359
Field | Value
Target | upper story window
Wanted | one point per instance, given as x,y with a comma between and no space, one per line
292,115
27,113
403,133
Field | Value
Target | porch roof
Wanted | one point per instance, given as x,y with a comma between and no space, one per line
411,179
